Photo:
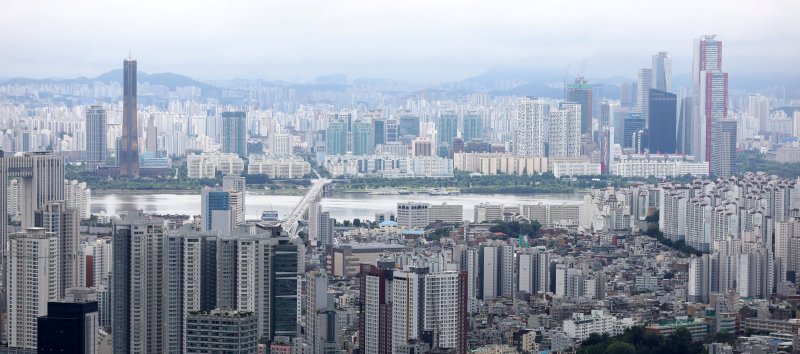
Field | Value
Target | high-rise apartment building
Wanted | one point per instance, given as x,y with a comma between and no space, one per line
96,146
321,325
565,130
40,177
257,271
128,153
375,310
662,72
531,130
320,226
662,106
580,93
534,270
34,278
190,281
137,285
497,273
63,222
234,133
758,109
723,148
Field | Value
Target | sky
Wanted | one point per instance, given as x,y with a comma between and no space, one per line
417,41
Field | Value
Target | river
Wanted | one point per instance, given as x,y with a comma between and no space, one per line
340,205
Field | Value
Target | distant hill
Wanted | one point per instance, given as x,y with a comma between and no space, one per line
162,79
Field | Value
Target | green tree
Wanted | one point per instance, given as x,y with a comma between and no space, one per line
620,348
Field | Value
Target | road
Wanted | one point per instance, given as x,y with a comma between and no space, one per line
314,193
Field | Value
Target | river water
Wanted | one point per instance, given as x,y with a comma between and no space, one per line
340,205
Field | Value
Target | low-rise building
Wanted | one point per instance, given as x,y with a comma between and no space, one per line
278,167
221,331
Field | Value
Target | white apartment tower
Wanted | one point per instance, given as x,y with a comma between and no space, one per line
565,131
531,126
34,265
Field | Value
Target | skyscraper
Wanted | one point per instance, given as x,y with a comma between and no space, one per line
662,108
709,94
581,93
96,146
644,84
129,142
375,310
234,133
565,130
447,128
530,134
662,71
723,148
473,126
379,131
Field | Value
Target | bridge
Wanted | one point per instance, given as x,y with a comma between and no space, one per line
314,193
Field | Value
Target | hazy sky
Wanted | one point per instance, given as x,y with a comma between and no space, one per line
424,41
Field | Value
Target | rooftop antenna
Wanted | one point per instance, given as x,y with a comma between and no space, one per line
130,57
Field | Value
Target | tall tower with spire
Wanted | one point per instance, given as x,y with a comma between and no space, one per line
128,153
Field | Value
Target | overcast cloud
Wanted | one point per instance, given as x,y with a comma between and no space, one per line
423,41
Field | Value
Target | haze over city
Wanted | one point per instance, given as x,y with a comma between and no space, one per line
407,177
415,41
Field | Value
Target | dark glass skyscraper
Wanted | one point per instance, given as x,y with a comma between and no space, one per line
447,128
473,127
662,114
409,126
633,123
129,142
379,128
